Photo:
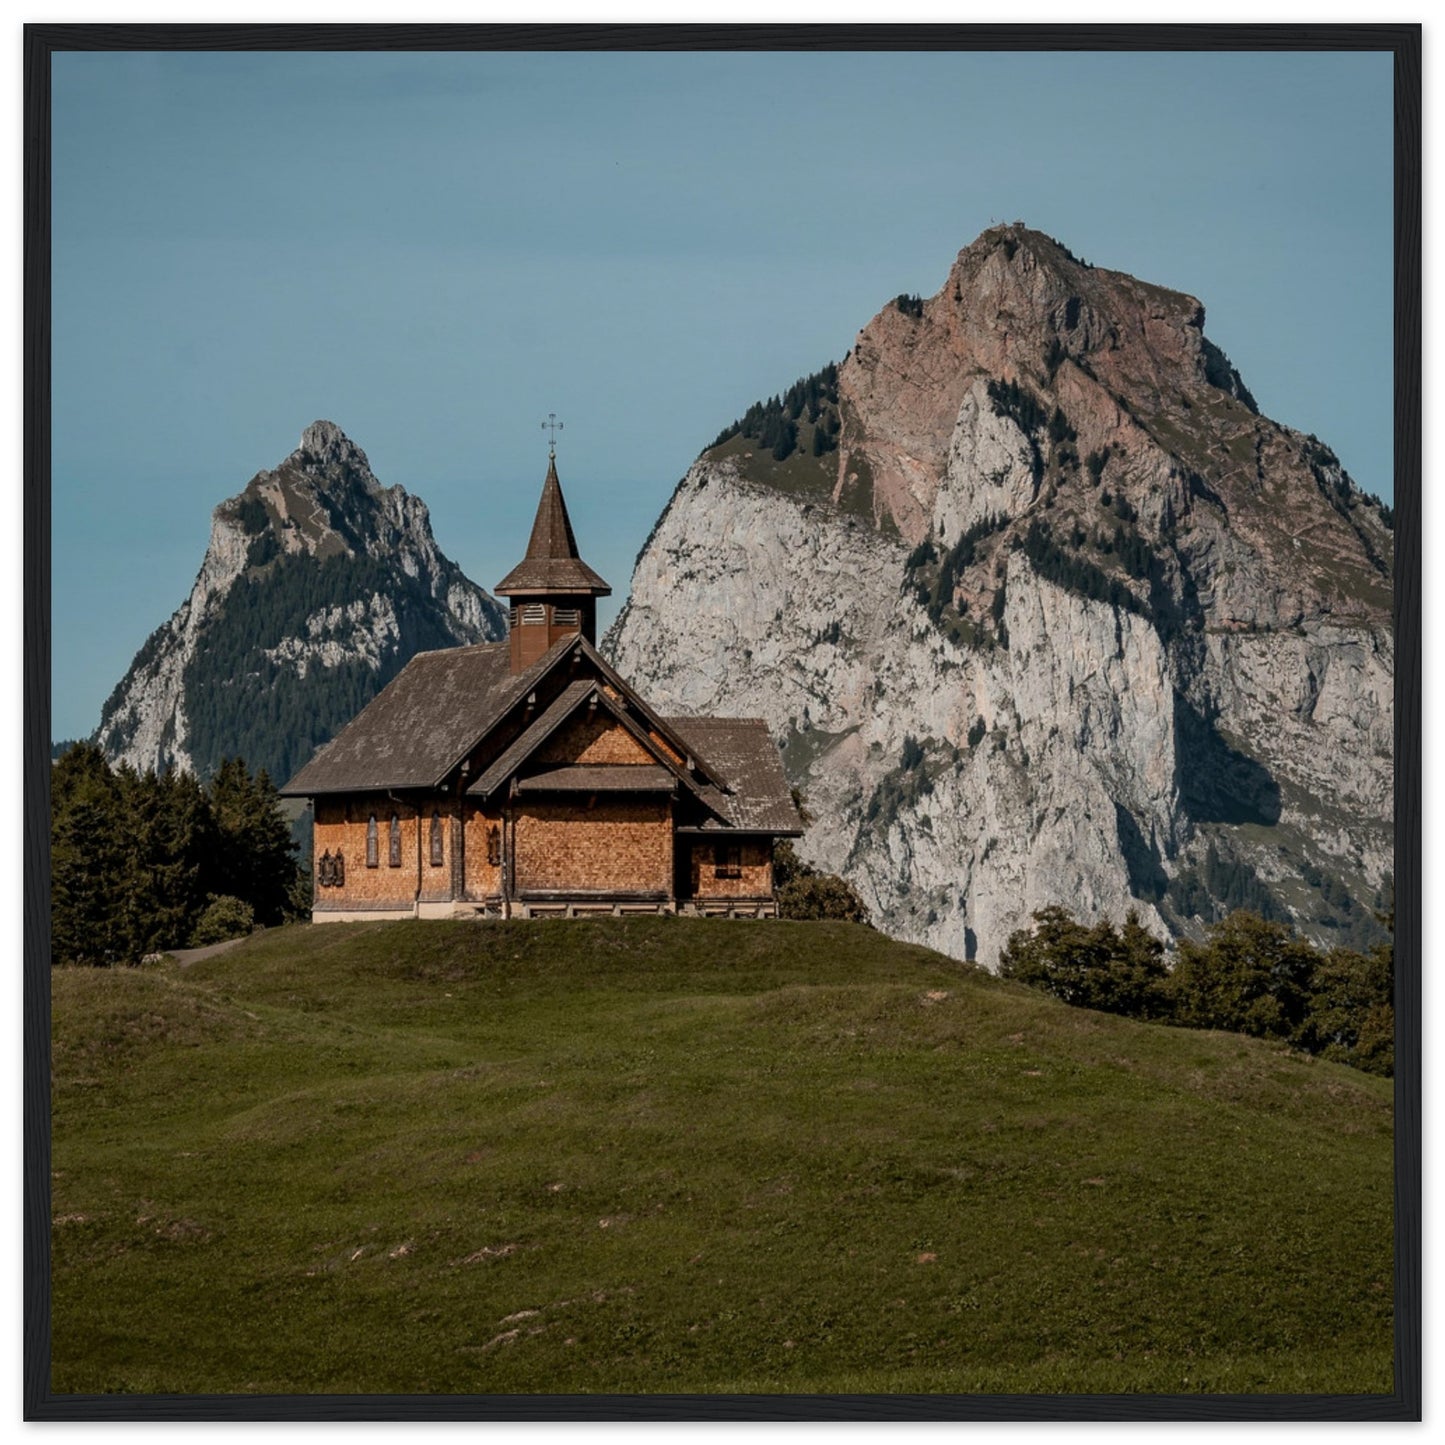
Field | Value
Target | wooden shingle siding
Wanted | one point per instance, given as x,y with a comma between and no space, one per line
341,826
483,879
615,846
599,739
751,878
436,878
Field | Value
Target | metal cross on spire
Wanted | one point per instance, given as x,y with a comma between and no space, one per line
554,426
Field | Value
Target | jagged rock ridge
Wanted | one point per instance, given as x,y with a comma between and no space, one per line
1043,611
317,585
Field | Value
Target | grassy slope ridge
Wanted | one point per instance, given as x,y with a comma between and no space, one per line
691,1155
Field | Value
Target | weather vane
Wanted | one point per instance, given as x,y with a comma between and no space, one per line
554,426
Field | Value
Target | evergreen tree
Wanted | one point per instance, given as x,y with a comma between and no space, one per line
136,859
255,852
168,837
87,862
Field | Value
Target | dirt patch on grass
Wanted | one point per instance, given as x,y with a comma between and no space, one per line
487,1252
187,956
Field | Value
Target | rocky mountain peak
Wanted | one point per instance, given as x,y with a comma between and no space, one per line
317,585
1052,300
324,499
324,444
1030,362
1042,609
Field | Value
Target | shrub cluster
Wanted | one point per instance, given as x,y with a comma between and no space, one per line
1251,975
141,863
224,917
804,892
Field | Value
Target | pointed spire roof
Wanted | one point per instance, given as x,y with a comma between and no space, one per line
552,563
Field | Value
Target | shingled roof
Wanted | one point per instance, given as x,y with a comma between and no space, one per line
532,737
552,563
758,798
417,728
600,778
442,704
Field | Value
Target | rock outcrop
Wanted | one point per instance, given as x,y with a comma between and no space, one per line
1042,610
317,585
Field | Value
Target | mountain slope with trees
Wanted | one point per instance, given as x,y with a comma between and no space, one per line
1043,610
317,587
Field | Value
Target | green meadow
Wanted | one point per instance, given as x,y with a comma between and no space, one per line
691,1156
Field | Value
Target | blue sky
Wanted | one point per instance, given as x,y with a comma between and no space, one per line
434,251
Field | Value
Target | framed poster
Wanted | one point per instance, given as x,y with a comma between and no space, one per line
1076,1078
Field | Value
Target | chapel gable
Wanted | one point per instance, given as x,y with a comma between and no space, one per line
593,737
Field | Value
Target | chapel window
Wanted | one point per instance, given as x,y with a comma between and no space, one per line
371,844
727,860
436,839
494,847
338,870
394,843
323,870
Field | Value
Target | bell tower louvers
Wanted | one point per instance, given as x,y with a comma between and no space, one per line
552,590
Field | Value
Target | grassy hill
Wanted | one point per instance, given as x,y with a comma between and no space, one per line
691,1155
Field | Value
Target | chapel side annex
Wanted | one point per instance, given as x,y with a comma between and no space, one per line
525,778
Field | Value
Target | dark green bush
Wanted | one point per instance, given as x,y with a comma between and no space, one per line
224,917
1250,975
1099,967
806,893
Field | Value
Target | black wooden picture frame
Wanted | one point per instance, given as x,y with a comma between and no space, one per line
1402,42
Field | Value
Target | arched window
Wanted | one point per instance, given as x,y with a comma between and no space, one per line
338,870
323,870
494,846
436,839
371,844
394,846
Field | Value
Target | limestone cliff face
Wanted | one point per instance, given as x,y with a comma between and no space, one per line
317,585
1050,614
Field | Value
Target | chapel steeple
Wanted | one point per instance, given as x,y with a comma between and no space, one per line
555,592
